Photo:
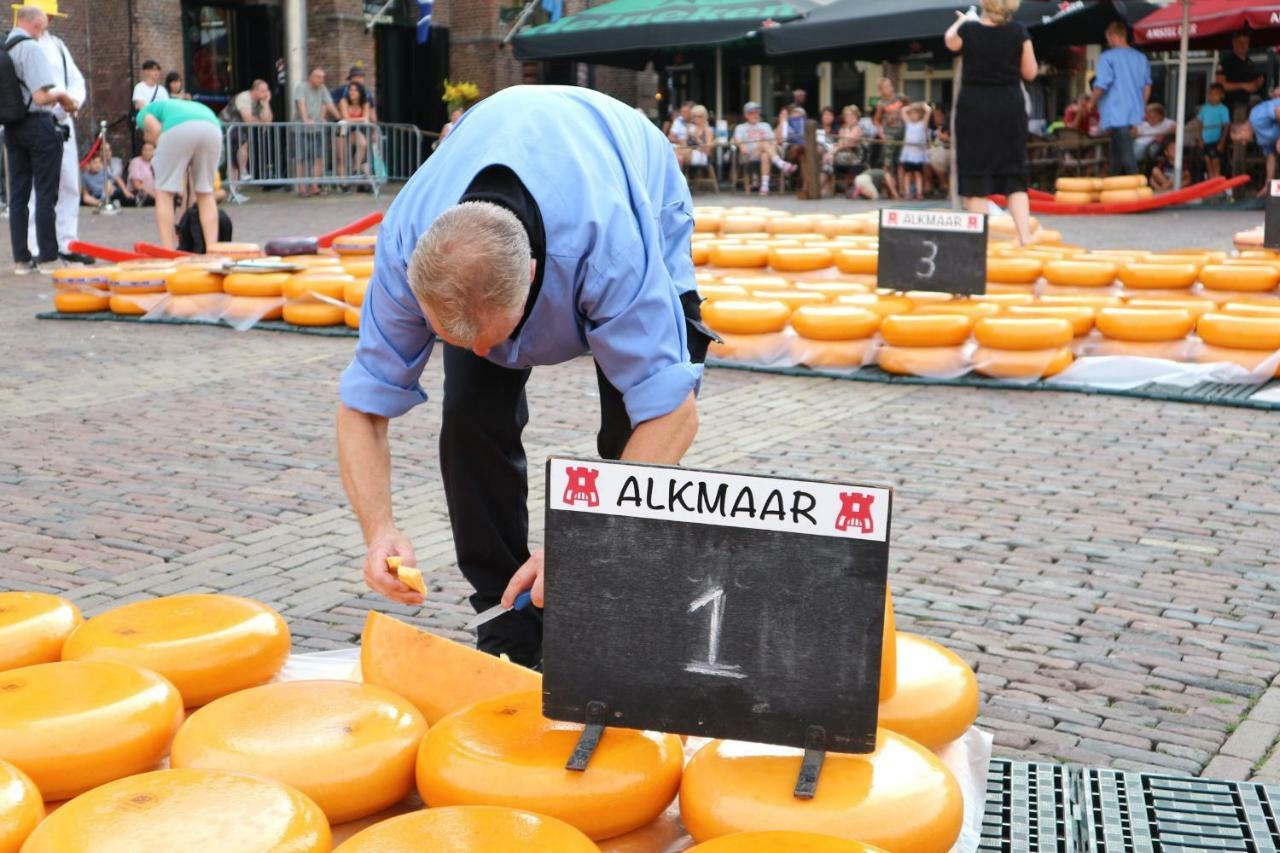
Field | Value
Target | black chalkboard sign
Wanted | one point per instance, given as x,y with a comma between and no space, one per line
714,604
938,250
1271,231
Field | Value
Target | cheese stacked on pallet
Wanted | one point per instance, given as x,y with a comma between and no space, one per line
80,290
1120,188
1253,342
21,807
1023,347
833,336
781,842
135,291
751,329
924,344
310,297
255,296
1144,332
470,829
353,294
33,627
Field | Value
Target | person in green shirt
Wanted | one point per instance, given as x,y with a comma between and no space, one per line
186,134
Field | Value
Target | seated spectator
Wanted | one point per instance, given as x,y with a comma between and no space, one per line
1162,173
1082,115
1214,120
678,132
97,189
1150,135
874,182
850,154
700,140
252,106
174,86
142,178
448,127
755,142
790,134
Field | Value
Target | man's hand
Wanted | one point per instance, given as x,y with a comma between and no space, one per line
379,578
528,576
68,103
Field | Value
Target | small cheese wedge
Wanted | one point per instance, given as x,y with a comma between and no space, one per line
410,576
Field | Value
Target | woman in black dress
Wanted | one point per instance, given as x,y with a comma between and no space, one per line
991,115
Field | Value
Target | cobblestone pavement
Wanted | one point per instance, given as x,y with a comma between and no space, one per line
1108,565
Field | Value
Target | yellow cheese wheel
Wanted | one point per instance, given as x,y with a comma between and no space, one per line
788,225
722,291
1014,270
745,317
741,223
707,222
1235,331
1118,196
1021,364
1158,276
353,291
503,752
171,810
884,305
858,261
1078,185
832,290
926,330
1181,349
800,260
1124,182
1250,359
1145,324
72,302
1023,333
235,250
1239,278
1004,300
899,797
329,262
350,747
750,280
255,283
21,807
834,322
1186,302
781,842
1079,316
973,308
840,227
143,280
193,281
832,354
302,285
1251,310
74,725
1146,192
130,304
310,313
351,318
793,299
764,348
253,308
922,361
355,244
935,696
33,627
206,645
82,278
437,675
740,254
358,267
701,253
1078,299
470,829
1076,273
1064,197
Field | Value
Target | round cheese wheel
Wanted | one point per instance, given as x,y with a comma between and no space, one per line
1079,316
1076,273
788,225
313,314
832,354
1186,302
800,260
781,842
470,829
1177,350
72,302
1021,364
1063,197
1118,196
741,223
1250,309
832,290
351,318
1004,300
21,807
170,810
882,304
973,308
767,348
834,322
235,250
1250,359
922,361
1235,331
1023,333
752,280
793,299
1146,192
926,330
1078,299
1145,324
33,627
840,227
1158,276
1124,182
302,285
740,254
701,253
129,304
1239,277
74,725
745,317
899,797
253,308
707,222
355,244
503,752
1078,185
82,278
1014,270
145,280
858,261
255,283
353,291
348,746
712,292
358,267
193,281
206,645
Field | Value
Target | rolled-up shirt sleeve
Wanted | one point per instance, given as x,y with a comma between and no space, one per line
395,342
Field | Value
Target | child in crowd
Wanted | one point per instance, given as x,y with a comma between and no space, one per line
1154,128
1163,171
915,143
1214,121
100,186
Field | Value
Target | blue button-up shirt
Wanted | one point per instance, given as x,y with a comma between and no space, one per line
618,221
1122,74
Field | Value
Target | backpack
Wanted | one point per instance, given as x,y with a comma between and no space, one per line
13,106
191,235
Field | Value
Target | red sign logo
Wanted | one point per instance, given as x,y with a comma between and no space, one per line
974,223
582,486
891,217
855,511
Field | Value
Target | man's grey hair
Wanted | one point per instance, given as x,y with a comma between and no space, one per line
472,264
31,15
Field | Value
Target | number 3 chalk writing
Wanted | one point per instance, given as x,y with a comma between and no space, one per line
928,263
711,666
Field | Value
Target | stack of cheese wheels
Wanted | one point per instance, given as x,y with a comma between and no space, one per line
1159,276
303,305
206,645
751,329
355,244
833,335
33,627
1228,282
74,725
350,747
1022,347
21,807
899,797
136,291
1145,332
81,290
353,294
170,810
924,344
1077,190
1122,188
235,250
1079,275
503,752
781,842
195,292
470,829
255,295
1253,342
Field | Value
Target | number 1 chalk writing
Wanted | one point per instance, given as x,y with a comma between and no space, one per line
929,262
711,666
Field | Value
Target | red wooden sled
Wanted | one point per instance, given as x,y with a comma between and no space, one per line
151,250
1204,189
104,253
362,224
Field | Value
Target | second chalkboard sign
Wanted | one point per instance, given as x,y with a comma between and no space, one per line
938,250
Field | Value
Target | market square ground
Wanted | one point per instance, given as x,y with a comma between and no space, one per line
1110,566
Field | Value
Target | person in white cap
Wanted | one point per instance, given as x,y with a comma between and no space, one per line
756,145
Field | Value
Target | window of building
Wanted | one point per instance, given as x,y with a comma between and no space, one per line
208,30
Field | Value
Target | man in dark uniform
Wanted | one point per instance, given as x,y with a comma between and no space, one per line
1238,75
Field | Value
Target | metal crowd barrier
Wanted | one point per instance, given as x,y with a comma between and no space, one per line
299,154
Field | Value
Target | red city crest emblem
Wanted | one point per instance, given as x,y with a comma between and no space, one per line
581,486
855,511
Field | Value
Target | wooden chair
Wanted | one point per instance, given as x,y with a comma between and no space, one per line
1080,153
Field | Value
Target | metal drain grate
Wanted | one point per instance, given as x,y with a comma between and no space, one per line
1027,808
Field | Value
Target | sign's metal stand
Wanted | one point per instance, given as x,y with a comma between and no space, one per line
597,713
815,753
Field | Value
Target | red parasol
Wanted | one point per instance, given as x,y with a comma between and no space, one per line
1209,19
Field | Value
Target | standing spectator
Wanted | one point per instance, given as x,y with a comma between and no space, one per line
1121,89
33,144
915,150
1240,78
355,74
142,176
149,88
991,112
1265,120
252,106
888,117
357,114
174,86
755,141
937,172
312,105
1214,120
1149,136
186,134
67,77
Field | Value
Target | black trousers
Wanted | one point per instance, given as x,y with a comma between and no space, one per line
486,484
34,146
